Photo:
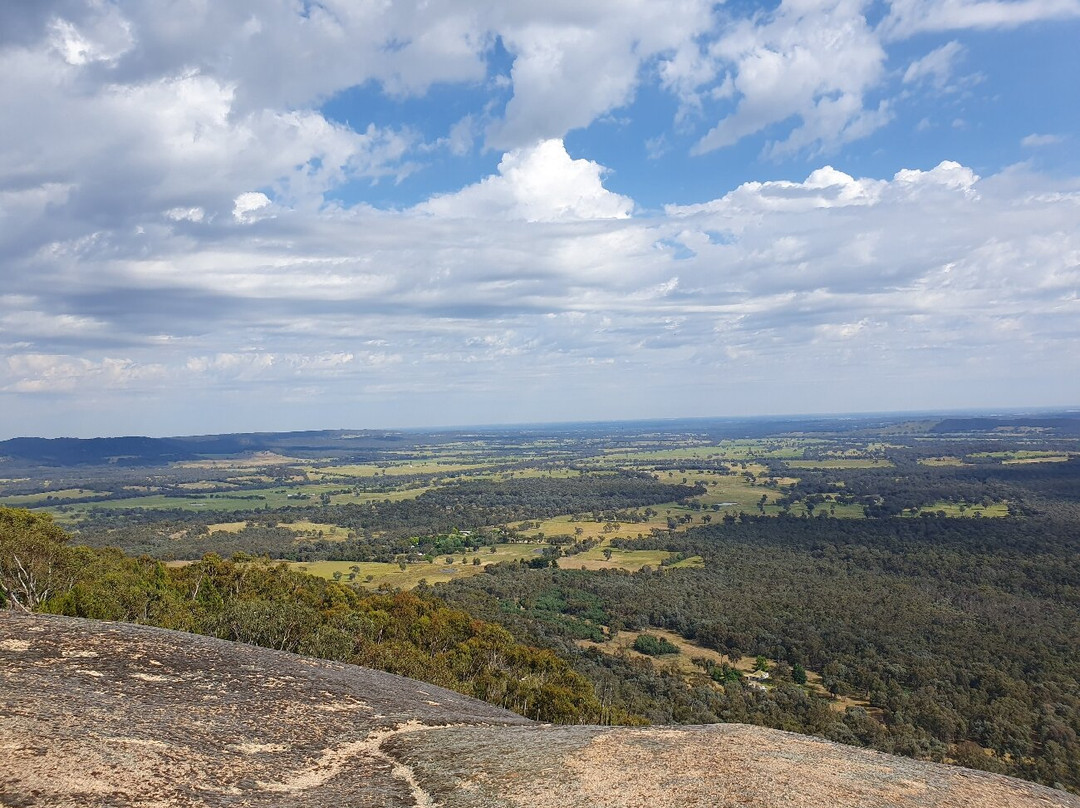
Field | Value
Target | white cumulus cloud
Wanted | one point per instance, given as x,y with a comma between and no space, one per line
537,183
809,60
249,203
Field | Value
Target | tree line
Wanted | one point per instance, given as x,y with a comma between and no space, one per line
962,635
264,603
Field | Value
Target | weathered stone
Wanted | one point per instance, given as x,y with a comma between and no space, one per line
106,714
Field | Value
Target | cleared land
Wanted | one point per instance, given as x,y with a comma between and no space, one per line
629,560
319,530
623,644
374,574
947,460
251,499
397,469
47,497
726,450
995,510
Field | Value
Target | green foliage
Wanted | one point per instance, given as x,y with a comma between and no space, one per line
725,673
654,646
955,631
264,603
35,561
961,634
447,520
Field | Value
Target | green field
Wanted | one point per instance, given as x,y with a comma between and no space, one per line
320,530
947,460
1024,456
629,560
725,451
370,497
251,499
396,469
46,497
995,510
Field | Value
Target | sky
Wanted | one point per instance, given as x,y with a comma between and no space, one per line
286,214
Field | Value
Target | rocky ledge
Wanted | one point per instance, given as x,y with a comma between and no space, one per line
105,714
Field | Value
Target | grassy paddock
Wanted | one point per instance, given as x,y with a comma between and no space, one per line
253,462
841,463
226,527
400,468
392,575
1042,458
46,497
320,530
1023,455
996,510
947,460
373,497
737,450
623,644
629,560
251,499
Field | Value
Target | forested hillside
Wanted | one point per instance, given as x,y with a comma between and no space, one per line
262,603
962,636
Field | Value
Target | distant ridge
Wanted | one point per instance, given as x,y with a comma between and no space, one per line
138,451
121,715
95,451
361,445
1060,425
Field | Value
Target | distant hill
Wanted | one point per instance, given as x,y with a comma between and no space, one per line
143,451
369,444
120,715
96,451
1063,424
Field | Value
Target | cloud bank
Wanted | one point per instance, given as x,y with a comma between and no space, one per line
176,254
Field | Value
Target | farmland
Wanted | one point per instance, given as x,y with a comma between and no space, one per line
895,575
309,509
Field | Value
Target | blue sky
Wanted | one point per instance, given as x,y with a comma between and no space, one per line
277,215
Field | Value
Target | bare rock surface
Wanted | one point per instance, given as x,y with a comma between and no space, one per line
105,714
